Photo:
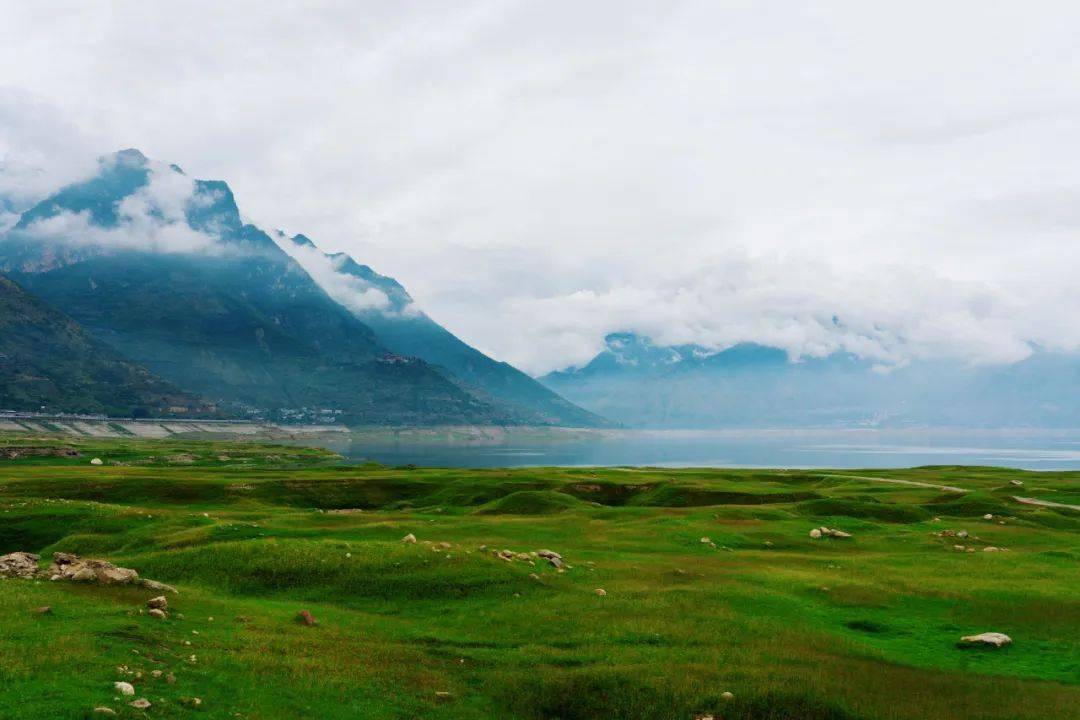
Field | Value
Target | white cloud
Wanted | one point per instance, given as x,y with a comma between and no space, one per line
539,174
152,219
348,290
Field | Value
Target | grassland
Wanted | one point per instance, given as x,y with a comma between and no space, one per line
793,627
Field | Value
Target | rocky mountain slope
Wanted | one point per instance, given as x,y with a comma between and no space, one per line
161,268
47,360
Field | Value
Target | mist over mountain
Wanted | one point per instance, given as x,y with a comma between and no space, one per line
641,384
388,309
161,268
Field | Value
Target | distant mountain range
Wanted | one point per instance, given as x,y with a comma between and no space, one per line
640,384
152,266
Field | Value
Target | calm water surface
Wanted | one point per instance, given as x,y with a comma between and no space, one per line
1034,450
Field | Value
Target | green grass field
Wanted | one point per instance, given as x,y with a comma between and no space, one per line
793,627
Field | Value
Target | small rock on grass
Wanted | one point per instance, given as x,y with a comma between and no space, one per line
158,603
986,639
410,539
102,710
304,617
43,610
727,695
158,613
601,592
124,688
140,704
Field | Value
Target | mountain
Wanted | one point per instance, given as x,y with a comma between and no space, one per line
47,360
640,384
161,268
389,310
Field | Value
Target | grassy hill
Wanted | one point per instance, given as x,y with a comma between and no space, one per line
712,585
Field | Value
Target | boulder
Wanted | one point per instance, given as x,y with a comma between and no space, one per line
987,639
66,566
124,688
158,613
19,564
158,603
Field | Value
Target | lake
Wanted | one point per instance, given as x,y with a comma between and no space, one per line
1027,449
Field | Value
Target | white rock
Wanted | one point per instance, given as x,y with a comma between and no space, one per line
96,461
727,695
988,516
815,533
1016,482
601,592
410,538
994,639
124,688
140,704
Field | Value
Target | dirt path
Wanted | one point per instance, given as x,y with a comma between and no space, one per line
1044,503
897,481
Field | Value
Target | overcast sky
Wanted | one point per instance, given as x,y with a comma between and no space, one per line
900,180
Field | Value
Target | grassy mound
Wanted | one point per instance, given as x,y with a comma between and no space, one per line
531,502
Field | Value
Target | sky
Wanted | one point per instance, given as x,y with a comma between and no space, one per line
898,180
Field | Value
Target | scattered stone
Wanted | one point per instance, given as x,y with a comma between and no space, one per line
727,695
706,541
410,539
96,461
828,532
124,688
140,704
156,673
962,534
534,576
988,516
158,613
987,639
306,618
443,695
158,603
19,565
815,534
991,548
1016,482
43,610
157,586
601,592
102,710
